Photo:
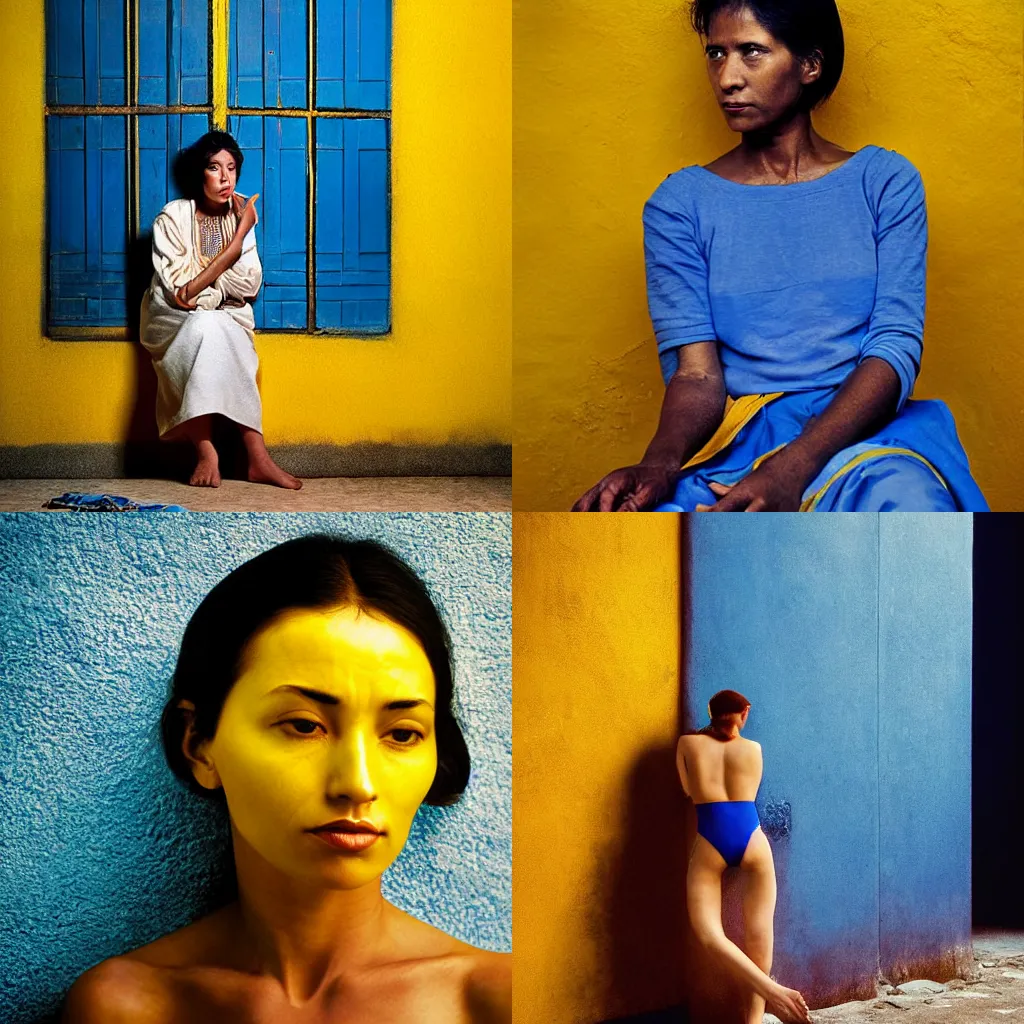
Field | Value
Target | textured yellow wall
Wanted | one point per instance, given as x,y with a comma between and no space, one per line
597,812
444,372
611,96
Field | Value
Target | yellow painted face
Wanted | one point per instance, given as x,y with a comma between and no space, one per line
331,722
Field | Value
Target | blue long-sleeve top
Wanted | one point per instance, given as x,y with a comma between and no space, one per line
797,283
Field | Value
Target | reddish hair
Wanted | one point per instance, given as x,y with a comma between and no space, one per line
720,707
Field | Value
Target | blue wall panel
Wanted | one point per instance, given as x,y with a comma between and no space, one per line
161,137
851,637
783,609
353,54
173,52
267,54
924,670
102,849
352,236
275,166
85,51
87,217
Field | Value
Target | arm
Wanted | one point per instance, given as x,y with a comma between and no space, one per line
225,259
677,295
684,777
690,413
867,401
890,354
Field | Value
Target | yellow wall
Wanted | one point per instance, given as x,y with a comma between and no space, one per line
442,375
610,96
598,811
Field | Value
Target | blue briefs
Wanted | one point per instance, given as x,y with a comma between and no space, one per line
728,825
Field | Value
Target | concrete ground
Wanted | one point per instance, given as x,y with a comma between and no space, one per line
325,494
995,993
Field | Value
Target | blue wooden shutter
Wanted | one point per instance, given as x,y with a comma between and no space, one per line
85,52
274,149
267,54
87,157
173,52
87,220
352,244
353,54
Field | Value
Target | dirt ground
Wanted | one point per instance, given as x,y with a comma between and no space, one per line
995,993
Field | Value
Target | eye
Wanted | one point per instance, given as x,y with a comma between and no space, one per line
301,726
406,737
715,53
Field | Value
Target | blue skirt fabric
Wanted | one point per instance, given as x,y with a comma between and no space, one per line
928,473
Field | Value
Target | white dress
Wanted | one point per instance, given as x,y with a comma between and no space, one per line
205,359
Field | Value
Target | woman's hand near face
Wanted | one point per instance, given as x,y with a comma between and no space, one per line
246,213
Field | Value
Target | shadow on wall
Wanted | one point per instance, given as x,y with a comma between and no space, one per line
145,455
644,911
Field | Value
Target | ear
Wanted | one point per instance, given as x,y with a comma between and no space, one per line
196,750
812,67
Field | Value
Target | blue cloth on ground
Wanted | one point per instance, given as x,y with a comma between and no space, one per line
799,284
72,501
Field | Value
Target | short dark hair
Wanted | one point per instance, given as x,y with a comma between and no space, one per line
805,26
193,160
317,571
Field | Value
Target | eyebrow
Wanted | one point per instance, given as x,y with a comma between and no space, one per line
325,698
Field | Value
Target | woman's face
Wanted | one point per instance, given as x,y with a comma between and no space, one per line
219,177
757,80
331,722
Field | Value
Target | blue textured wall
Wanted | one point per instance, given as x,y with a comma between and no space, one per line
851,635
101,849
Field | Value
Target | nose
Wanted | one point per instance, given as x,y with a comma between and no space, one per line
730,74
350,777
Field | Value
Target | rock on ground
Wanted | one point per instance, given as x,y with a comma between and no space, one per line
996,993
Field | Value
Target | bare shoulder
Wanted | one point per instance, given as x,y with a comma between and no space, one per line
489,987
118,990
484,977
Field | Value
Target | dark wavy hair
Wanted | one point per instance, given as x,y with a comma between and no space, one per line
720,707
191,163
316,571
807,27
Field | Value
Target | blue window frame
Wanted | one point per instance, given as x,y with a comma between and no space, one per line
303,85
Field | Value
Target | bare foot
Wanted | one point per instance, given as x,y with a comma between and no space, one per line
787,1004
207,472
266,471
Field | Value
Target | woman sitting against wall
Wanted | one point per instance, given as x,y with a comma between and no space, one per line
786,284
197,319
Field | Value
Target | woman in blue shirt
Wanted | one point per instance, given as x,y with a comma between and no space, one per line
786,284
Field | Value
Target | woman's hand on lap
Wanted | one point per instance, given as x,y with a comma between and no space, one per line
632,489
775,486
180,301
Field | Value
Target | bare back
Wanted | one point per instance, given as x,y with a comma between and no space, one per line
712,770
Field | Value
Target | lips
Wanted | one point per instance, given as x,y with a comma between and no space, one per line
735,108
348,835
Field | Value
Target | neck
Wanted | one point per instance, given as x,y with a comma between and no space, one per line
212,209
298,931
783,148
